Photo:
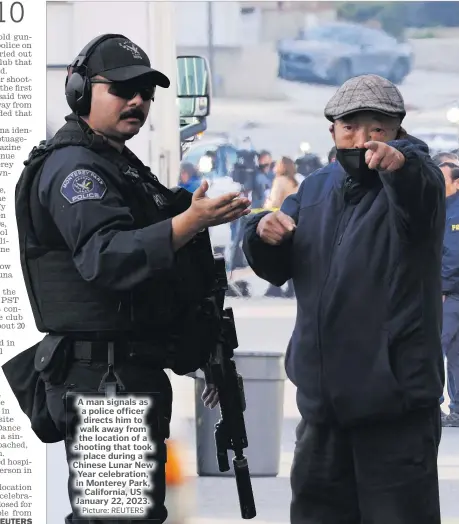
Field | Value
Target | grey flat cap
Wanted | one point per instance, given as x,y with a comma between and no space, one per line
366,93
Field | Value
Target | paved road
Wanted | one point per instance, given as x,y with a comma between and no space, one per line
217,498
282,126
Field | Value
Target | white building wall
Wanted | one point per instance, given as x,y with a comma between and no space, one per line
151,25
191,24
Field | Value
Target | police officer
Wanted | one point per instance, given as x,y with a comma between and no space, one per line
449,166
115,264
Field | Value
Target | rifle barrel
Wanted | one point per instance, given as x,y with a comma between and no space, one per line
244,488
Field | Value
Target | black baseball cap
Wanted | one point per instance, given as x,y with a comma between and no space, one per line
119,60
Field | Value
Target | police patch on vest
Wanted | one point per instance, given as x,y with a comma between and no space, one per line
159,200
81,185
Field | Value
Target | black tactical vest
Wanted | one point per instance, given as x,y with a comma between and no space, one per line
62,301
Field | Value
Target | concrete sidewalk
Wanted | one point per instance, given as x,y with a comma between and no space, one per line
238,521
214,499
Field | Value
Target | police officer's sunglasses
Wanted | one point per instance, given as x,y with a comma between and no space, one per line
128,90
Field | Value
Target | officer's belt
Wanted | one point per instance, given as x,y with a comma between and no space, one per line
97,351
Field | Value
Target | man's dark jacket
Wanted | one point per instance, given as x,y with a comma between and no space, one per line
366,266
450,265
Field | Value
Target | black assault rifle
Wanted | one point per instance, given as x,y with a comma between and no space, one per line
230,432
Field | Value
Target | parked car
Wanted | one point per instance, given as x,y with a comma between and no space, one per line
333,53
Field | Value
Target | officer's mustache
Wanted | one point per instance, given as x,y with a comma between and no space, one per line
133,113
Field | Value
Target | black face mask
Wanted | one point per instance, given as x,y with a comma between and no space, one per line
353,162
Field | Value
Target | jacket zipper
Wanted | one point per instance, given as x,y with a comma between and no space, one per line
347,183
345,225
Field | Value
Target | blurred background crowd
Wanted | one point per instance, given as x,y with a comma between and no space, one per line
267,131
274,66
267,181
260,177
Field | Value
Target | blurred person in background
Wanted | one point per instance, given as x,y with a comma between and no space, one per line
332,155
266,164
246,167
306,163
245,172
285,184
447,161
257,183
449,166
362,239
189,177
263,179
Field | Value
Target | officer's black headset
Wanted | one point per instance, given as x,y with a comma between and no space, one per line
77,83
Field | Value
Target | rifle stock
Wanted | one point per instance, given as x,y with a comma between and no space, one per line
230,431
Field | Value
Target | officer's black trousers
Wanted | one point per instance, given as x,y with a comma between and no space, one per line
450,344
136,379
385,473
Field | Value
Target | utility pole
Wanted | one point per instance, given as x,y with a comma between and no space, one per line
164,114
210,44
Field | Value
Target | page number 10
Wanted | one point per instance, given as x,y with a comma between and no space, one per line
16,13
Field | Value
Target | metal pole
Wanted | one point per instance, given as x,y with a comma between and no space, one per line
164,119
210,44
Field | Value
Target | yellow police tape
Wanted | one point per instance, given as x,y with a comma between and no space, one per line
260,209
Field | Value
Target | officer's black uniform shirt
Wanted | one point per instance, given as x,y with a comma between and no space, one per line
79,189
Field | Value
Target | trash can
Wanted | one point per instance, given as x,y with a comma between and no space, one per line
264,380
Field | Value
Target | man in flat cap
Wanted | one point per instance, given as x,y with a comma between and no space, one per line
362,241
